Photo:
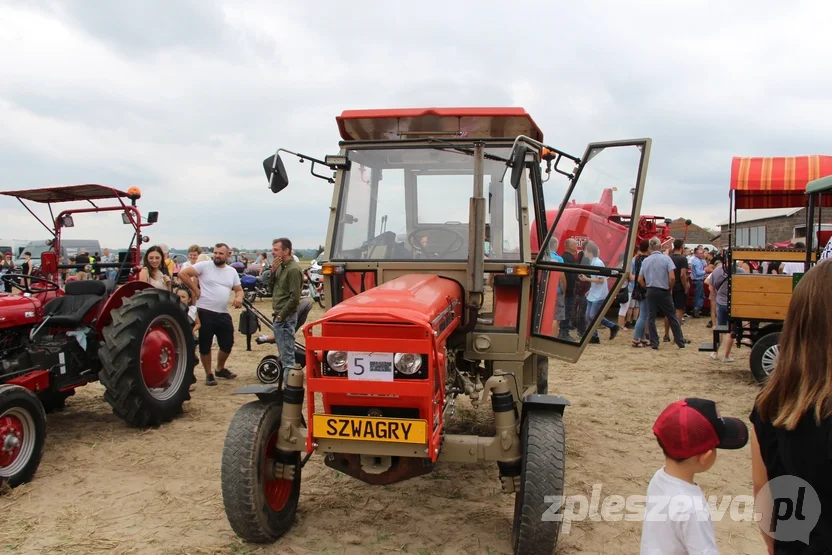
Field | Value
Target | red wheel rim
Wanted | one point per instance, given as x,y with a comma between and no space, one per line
11,440
164,358
278,491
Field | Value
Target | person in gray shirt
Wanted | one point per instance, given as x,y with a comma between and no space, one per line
658,273
719,281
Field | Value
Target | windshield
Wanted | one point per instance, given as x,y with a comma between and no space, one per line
36,249
410,204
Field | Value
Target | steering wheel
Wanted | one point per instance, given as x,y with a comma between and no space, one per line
9,278
417,245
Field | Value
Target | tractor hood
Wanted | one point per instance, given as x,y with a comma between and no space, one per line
415,298
17,310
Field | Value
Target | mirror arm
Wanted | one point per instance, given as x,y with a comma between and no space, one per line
314,161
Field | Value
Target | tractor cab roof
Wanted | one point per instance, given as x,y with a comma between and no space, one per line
68,193
444,123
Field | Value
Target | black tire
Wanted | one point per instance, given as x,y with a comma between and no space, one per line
123,373
22,432
252,430
764,355
269,370
542,475
250,296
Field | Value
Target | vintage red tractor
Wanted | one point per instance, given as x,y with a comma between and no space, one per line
412,328
55,337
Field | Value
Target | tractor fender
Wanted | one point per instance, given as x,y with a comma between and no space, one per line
116,300
537,401
266,393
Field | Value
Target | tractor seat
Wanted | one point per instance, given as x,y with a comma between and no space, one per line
69,310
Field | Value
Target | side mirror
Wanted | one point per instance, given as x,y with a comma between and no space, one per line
275,173
67,221
688,222
49,262
518,160
152,217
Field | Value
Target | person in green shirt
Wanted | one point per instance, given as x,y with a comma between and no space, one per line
285,282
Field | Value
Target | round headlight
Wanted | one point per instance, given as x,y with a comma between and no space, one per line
408,363
337,360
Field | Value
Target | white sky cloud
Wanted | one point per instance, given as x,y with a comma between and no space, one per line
186,99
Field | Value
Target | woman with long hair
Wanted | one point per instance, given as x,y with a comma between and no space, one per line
792,423
153,270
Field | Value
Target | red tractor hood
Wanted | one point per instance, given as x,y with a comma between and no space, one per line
17,310
414,298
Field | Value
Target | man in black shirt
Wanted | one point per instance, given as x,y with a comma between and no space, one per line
680,286
570,252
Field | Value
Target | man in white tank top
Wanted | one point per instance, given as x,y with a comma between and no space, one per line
216,281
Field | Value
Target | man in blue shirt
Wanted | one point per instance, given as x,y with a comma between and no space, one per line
658,274
697,275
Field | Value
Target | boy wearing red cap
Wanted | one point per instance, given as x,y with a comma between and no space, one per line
677,517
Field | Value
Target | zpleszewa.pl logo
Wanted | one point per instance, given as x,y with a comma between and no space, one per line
787,503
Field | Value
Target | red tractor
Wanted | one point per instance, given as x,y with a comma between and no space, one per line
412,328
55,337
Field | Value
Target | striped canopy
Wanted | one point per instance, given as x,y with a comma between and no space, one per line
776,182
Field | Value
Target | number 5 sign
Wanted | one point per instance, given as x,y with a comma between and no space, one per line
376,367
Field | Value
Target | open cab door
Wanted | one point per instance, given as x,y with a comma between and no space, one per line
572,291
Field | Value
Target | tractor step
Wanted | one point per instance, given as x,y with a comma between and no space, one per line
707,348
721,329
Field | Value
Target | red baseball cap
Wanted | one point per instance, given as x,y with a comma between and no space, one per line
692,426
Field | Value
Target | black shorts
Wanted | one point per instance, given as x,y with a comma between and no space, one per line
680,299
217,324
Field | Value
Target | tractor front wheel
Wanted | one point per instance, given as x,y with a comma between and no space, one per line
148,358
538,504
259,506
22,434
764,354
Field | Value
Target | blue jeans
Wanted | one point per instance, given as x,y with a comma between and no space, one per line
284,338
641,323
698,294
592,308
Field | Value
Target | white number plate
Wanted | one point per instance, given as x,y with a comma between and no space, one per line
370,366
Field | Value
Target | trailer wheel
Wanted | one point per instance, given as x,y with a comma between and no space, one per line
259,507
22,434
148,358
764,354
537,518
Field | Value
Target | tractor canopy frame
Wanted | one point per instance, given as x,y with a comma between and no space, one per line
86,193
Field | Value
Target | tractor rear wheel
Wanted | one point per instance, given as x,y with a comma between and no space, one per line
148,358
259,507
536,522
764,354
22,434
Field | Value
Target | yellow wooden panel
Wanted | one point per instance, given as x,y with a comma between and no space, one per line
758,283
772,255
761,299
748,312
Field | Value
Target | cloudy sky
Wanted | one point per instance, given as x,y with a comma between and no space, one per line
185,98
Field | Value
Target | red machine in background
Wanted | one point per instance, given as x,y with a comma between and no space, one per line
601,223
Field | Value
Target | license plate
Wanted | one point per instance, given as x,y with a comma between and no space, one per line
375,367
396,430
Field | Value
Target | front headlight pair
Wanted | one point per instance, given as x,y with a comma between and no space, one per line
406,363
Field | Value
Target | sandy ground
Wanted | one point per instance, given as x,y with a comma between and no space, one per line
103,487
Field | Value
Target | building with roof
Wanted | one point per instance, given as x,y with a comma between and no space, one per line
759,227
